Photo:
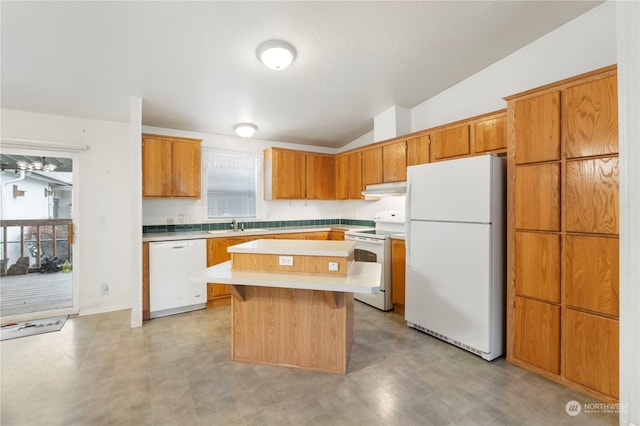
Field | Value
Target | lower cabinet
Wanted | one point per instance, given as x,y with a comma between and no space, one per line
398,255
219,294
537,330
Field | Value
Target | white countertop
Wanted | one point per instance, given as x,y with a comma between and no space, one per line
192,235
398,236
296,247
363,277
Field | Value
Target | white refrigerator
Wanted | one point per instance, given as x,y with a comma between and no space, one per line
455,259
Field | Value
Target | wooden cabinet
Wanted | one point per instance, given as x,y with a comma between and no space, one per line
354,178
586,137
418,150
320,177
563,206
490,134
537,334
284,174
219,294
451,142
170,166
398,257
341,179
372,166
290,175
536,128
337,234
394,162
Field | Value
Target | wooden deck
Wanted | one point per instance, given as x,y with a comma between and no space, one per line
35,292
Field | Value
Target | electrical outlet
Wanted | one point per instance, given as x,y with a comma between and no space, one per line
104,289
285,260
333,266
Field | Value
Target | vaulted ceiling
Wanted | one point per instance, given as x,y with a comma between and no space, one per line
194,63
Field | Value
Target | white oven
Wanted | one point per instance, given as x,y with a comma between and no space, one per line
375,246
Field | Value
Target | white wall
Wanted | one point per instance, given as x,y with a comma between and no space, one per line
105,222
32,205
584,44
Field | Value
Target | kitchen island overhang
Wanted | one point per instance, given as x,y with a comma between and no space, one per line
302,320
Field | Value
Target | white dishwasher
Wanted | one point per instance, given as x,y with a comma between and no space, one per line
171,266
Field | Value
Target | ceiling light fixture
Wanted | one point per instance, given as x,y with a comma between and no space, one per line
276,54
245,130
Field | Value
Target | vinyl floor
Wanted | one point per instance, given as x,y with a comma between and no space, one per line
177,371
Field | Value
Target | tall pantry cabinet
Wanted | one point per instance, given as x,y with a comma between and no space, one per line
562,315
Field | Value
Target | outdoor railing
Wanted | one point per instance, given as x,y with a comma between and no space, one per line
36,239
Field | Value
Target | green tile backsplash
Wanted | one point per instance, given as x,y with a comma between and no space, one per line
195,227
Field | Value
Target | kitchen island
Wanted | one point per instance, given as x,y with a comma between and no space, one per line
303,318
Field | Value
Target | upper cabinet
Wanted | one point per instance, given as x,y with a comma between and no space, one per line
170,166
290,175
394,162
342,171
284,174
354,175
320,176
451,142
372,166
418,150
490,134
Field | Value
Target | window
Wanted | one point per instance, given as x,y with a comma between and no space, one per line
231,183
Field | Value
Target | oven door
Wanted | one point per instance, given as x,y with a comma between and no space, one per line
376,251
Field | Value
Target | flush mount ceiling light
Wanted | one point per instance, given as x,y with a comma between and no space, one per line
245,130
276,54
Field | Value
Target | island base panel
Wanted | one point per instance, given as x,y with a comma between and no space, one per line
292,327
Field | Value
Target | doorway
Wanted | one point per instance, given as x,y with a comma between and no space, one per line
37,262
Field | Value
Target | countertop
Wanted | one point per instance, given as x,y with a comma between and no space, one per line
192,235
363,277
398,236
300,248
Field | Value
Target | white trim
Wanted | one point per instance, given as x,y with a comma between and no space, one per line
627,14
106,310
36,144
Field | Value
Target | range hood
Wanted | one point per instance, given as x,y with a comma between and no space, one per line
385,190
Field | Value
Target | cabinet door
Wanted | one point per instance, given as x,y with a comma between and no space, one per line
320,235
591,351
354,181
337,234
592,201
217,253
289,174
157,174
342,167
320,177
592,273
394,162
398,254
372,166
490,135
418,150
537,334
591,118
537,259
451,143
537,197
186,169
537,128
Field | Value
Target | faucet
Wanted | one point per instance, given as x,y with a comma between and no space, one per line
234,225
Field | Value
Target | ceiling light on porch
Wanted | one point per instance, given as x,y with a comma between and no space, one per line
245,130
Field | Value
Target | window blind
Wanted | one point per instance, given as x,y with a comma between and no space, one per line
231,183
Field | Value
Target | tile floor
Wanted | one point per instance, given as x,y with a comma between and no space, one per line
177,371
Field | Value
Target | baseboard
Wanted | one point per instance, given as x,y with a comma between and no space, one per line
108,309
